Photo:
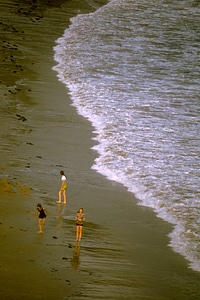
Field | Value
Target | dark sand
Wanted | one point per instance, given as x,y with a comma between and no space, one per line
124,252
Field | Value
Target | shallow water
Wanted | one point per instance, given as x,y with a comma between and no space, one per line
133,68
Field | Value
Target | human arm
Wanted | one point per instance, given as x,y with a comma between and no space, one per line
83,217
80,218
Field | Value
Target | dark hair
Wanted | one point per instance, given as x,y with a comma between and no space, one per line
39,205
62,173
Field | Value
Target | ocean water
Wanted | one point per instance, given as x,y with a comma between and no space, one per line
133,70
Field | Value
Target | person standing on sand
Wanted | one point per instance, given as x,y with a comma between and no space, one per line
62,191
80,218
42,213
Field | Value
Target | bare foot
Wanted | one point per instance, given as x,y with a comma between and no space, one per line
58,202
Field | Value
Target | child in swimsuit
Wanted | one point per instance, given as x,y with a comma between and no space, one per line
42,213
80,218
62,191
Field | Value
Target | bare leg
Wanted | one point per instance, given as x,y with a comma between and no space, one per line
77,232
59,196
41,225
64,196
43,222
80,232
40,230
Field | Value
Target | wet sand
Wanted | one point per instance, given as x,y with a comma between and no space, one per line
32,130
124,252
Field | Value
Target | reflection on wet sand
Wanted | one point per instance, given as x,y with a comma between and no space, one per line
61,209
75,261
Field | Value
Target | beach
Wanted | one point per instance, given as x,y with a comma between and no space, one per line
124,252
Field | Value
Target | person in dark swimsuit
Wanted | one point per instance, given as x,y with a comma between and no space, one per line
42,213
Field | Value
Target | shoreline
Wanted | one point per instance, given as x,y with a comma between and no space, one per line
124,250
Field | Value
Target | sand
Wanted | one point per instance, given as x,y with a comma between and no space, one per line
124,252
29,114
